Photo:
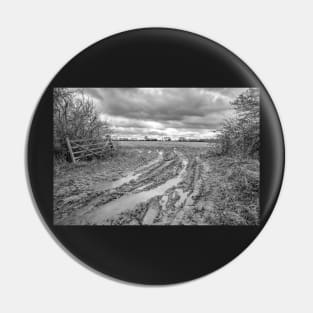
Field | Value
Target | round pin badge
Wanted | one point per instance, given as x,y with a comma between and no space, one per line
155,156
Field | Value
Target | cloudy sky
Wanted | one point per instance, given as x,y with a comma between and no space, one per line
156,112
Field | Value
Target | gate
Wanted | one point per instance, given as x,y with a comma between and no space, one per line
82,148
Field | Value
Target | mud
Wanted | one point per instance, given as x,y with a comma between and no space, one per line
157,184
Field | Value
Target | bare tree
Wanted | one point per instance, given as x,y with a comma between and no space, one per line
75,117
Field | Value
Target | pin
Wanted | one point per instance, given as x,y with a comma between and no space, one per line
155,156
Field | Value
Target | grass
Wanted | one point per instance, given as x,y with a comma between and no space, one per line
236,190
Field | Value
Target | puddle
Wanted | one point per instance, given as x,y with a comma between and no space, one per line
124,180
153,211
129,202
134,175
150,216
156,160
144,186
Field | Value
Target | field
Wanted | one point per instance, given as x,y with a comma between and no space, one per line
157,183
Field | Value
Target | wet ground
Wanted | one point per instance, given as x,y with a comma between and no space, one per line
151,184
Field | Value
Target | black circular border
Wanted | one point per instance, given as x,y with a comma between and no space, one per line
154,57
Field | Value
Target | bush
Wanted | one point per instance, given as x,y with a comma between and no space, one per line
240,136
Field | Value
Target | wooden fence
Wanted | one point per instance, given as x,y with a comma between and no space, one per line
82,148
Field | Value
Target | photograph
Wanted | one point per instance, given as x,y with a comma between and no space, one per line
156,156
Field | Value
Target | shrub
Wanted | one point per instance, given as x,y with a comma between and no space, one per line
240,134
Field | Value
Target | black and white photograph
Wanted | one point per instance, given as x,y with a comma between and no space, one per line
156,156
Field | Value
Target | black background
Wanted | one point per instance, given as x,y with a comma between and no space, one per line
154,58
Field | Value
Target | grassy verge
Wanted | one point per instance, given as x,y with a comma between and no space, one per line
235,190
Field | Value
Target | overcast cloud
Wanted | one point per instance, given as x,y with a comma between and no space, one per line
155,112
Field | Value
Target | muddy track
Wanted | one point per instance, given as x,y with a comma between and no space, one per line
163,191
156,184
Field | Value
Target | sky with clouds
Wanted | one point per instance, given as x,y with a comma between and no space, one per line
157,112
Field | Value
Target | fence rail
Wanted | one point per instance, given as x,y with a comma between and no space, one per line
82,148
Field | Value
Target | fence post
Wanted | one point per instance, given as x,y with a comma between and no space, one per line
70,149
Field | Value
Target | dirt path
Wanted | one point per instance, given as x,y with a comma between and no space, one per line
145,183
165,190
155,184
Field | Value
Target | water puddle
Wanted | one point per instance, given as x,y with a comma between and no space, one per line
124,180
129,202
156,160
150,216
135,174
153,211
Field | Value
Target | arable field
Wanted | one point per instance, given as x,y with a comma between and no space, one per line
157,183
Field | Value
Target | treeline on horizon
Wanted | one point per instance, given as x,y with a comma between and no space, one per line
210,140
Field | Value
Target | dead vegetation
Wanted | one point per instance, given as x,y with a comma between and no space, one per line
235,191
